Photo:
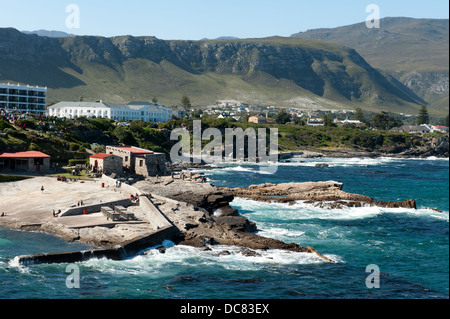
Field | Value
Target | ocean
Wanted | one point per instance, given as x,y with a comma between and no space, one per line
409,247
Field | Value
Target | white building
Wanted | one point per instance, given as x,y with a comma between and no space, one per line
315,122
25,99
144,111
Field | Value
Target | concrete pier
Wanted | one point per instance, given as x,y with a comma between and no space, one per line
120,252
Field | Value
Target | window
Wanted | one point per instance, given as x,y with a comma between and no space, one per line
126,158
141,163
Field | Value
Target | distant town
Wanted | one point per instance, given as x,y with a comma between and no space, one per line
27,99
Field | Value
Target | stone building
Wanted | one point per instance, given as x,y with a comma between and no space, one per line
31,162
140,161
106,163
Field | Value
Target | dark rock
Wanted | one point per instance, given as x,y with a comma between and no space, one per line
224,253
190,226
208,241
249,253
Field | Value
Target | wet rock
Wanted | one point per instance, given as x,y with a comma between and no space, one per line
249,253
224,253
208,241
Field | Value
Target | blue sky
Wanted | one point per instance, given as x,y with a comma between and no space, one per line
196,19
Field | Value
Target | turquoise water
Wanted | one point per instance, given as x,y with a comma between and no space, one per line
410,247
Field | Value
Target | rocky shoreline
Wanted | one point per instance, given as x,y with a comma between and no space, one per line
201,212
327,194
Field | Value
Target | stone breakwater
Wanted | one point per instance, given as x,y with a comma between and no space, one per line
198,214
327,194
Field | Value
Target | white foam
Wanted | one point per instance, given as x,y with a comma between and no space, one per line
302,210
14,263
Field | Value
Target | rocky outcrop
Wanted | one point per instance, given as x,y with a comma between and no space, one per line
321,194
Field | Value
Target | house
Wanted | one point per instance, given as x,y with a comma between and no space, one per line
257,120
140,161
30,162
422,129
179,112
106,163
143,111
21,98
440,128
350,122
315,122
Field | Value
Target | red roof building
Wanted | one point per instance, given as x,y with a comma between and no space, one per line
29,161
100,156
106,163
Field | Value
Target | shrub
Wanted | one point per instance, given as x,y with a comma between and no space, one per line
74,146
73,162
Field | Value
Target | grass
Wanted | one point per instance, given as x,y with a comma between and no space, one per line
11,178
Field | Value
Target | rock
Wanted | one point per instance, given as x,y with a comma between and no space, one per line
249,253
322,165
190,226
224,253
208,241
161,249
327,194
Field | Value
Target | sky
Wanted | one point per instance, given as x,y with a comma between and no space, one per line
197,19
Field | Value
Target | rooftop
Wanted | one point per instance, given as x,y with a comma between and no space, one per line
28,154
134,150
101,104
100,155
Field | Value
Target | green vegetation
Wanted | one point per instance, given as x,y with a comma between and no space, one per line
423,117
67,141
11,178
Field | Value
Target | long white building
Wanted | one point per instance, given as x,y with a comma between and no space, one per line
144,111
24,99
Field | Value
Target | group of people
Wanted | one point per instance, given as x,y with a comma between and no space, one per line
3,214
134,198
56,214
182,176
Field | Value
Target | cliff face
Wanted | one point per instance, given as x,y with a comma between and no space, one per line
285,65
413,51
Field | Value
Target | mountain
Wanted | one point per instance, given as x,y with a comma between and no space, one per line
281,71
221,38
413,51
51,34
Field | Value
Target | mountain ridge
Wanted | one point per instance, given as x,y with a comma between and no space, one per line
274,70
413,51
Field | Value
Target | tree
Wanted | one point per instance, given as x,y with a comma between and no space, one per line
185,102
155,100
328,120
283,117
359,115
384,122
423,117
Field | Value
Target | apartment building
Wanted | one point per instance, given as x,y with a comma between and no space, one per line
23,99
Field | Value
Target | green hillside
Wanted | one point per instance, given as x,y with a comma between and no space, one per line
308,74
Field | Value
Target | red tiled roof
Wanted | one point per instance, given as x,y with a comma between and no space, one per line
29,154
134,150
100,155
